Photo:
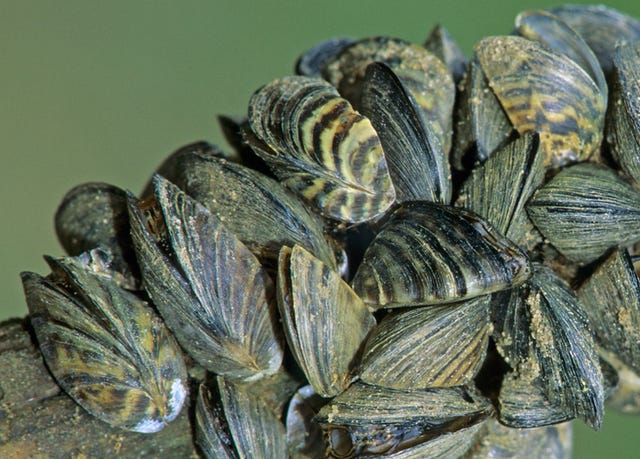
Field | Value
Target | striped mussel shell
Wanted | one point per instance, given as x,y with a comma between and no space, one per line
429,253
210,289
585,210
543,333
556,34
325,322
321,148
95,215
425,75
105,346
372,421
544,91
454,336
234,423
236,195
623,114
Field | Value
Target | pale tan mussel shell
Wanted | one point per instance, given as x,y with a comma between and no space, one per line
324,320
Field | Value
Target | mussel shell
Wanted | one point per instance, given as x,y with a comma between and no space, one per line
440,43
522,402
511,326
426,76
611,298
209,433
585,210
498,441
455,338
313,61
433,408
257,209
601,27
553,32
367,419
210,289
547,340
107,349
623,114
320,148
499,188
95,215
546,92
429,253
482,126
417,162
309,294
239,426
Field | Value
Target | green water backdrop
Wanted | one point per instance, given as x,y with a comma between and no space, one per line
103,91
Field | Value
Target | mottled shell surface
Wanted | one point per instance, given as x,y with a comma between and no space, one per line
395,354
312,297
428,253
553,32
449,444
106,347
210,289
526,76
321,148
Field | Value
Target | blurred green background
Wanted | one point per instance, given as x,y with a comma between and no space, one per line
103,91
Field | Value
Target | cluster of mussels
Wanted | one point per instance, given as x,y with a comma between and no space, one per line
407,255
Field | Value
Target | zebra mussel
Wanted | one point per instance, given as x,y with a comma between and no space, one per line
407,255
